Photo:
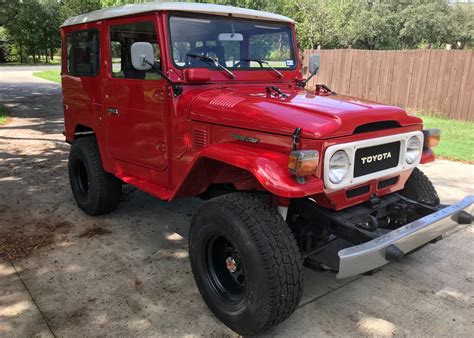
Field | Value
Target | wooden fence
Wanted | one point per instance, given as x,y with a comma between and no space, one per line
432,81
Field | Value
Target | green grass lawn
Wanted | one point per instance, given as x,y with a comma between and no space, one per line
457,138
50,75
3,115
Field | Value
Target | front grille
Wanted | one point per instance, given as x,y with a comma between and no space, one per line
377,158
387,183
358,191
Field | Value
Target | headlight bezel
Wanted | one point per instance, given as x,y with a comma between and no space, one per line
413,149
340,169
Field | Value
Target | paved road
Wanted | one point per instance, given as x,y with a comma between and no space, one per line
130,275
22,68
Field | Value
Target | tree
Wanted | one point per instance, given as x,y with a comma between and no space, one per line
32,26
315,24
426,23
4,50
70,8
373,26
462,19
51,38
21,22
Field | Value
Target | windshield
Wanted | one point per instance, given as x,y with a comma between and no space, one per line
233,43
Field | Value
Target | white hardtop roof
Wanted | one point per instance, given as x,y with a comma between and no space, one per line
131,9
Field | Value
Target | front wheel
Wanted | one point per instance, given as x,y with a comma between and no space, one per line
246,262
419,188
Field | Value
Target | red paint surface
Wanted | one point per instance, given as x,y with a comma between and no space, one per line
176,146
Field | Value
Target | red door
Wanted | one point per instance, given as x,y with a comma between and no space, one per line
134,101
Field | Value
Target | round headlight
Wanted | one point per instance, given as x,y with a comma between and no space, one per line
338,166
414,147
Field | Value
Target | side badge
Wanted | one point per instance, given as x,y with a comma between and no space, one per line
245,138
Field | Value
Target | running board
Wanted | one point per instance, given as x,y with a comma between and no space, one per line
146,186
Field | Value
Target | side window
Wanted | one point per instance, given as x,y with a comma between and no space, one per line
122,38
68,52
86,52
82,53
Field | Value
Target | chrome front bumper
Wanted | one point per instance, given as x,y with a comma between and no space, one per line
373,254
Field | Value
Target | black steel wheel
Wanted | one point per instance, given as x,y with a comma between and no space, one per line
226,270
96,192
246,262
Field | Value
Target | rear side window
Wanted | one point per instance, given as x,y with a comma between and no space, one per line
121,39
82,53
68,52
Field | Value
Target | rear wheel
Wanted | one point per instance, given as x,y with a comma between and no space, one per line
96,192
246,262
419,188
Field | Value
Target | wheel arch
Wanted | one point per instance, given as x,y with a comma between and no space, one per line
81,130
246,167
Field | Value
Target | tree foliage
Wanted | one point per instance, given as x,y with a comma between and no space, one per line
32,26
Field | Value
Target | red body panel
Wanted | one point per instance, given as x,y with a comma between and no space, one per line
176,146
321,117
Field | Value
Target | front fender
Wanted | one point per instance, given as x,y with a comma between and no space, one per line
270,168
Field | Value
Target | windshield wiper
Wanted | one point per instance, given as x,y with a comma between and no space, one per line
263,62
214,60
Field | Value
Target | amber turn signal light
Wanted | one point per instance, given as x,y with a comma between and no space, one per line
432,137
303,162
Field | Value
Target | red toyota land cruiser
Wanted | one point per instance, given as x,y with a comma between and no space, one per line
183,99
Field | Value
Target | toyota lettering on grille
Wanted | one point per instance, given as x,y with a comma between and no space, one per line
369,160
374,158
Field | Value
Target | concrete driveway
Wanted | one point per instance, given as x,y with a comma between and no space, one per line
128,273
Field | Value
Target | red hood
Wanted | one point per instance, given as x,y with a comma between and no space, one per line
318,116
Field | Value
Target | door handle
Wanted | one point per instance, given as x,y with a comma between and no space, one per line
113,111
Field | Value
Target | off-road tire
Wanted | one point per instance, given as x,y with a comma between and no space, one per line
419,188
96,192
271,260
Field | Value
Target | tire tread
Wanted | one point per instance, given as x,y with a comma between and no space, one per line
109,188
419,188
278,248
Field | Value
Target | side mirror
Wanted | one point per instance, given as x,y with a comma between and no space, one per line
142,55
314,64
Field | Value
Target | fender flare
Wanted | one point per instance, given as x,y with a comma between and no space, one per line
270,168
